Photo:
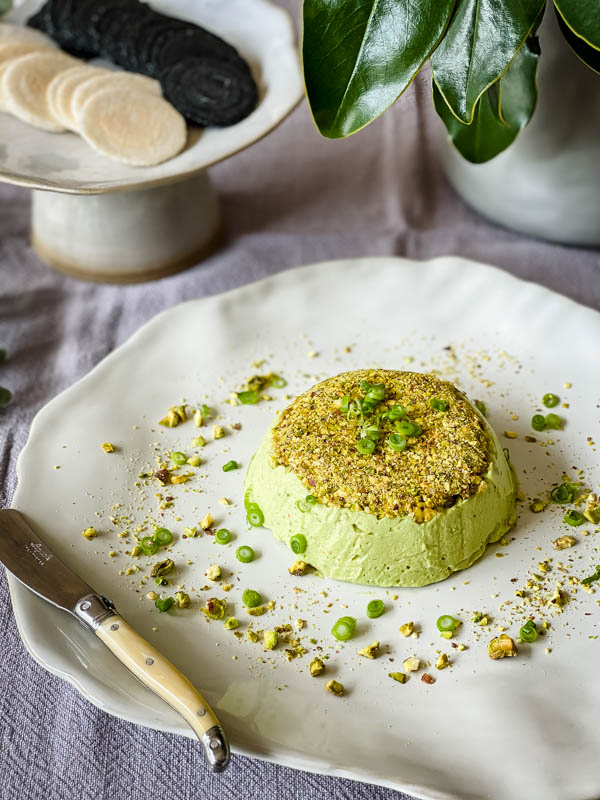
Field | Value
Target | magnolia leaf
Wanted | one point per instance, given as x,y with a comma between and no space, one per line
500,113
360,55
583,18
478,46
589,55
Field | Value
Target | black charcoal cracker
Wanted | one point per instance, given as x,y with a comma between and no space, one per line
191,41
209,91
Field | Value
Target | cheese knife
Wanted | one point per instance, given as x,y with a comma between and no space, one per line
32,562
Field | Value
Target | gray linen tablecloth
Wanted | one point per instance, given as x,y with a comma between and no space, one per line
292,199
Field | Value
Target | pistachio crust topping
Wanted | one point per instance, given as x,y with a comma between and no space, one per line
445,462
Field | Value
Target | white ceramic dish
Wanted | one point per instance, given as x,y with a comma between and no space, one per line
523,727
63,162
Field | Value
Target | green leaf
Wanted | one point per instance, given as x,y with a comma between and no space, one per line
501,112
480,43
589,55
583,18
5,5
360,55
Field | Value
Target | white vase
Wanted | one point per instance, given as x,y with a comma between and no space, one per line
547,183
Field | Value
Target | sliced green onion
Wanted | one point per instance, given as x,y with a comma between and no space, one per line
163,536
564,493
164,603
205,410
375,608
396,412
298,543
481,407
554,421
364,386
278,382
538,422
230,465
377,392
592,578
574,518
247,500
345,402
446,623
438,404
528,632
255,516
149,545
244,554
5,396
344,629
371,432
251,599
222,536
248,398
506,452
179,458
408,428
305,505
365,446
550,400
397,442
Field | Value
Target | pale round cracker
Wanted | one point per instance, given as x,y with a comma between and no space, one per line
61,88
11,50
131,126
24,86
20,33
114,80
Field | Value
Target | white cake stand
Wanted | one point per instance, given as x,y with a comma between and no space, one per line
98,219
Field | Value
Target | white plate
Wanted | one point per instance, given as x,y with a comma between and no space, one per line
262,33
522,727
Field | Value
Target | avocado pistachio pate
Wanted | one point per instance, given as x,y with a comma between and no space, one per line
407,481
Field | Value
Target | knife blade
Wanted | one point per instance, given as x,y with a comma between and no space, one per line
34,564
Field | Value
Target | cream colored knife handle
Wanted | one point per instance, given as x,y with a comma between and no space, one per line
158,674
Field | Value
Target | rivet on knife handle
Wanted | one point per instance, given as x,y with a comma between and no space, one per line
160,675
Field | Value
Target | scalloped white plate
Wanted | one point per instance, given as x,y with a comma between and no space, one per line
523,727
264,35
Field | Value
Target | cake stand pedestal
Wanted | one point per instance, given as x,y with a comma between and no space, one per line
127,236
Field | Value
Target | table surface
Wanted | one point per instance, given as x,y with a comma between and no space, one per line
292,199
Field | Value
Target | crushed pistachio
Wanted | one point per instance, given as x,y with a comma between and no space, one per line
592,509
335,687
426,678
224,501
89,533
453,450
316,667
108,447
257,611
411,664
563,542
299,623
162,568
182,599
213,573
442,662
370,651
176,479
511,434
215,608
174,416
218,431
151,596
191,533
538,505
206,522
400,677
194,461
502,646
252,636
299,568
198,441
270,639
198,418
407,629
